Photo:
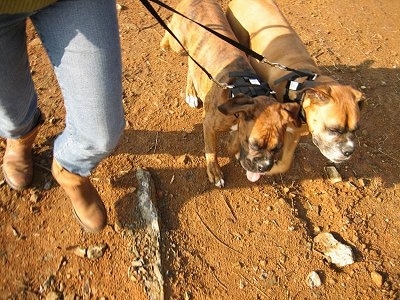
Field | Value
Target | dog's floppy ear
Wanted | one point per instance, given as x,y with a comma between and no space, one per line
317,96
293,110
359,98
321,93
238,104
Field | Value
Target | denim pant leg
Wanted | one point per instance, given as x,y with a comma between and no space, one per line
18,99
82,40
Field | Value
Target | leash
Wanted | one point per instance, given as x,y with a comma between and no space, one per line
248,51
151,9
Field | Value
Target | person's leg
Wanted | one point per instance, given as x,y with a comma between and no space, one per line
19,115
82,40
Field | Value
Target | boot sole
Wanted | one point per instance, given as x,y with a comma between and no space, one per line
87,229
13,186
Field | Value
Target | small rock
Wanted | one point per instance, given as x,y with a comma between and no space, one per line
317,229
313,280
377,278
53,295
35,197
187,295
242,284
183,159
333,174
335,252
80,251
97,251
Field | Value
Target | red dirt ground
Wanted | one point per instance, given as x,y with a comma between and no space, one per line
247,240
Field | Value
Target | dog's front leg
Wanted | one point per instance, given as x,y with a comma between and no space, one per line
214,171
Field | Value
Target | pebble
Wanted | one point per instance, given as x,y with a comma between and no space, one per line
183,159
242,284
35,197
377,278
95,252
80,251
54,296
333,174
317,229
187,295
313,280
337,253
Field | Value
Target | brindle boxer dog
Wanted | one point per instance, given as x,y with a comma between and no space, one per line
261,121
331,110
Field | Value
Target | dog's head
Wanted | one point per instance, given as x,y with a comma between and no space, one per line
333,114
262,123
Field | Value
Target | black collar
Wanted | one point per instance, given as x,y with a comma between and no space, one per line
293,85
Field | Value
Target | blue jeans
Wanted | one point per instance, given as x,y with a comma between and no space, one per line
81,38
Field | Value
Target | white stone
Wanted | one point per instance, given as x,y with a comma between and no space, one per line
313,280
335,252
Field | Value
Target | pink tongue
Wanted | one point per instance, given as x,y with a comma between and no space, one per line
253,177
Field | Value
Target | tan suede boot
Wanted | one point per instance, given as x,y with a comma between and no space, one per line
17,160
86,202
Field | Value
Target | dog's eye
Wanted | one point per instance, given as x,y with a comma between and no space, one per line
336,131
277,148
254,147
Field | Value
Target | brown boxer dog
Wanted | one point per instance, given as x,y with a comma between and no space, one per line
330,110
261,121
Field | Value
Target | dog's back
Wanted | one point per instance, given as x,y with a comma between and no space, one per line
272,36
215,55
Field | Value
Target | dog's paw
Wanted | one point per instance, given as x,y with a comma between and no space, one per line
220,183
215,174
192,101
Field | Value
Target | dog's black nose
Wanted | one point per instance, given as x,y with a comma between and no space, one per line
264,165
347,150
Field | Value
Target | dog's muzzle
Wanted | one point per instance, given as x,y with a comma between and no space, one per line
260,164
336,152
347,149
263,165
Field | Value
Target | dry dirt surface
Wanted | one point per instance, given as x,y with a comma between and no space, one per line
247,240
